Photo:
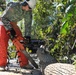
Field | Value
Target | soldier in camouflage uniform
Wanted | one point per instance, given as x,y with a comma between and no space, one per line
14,12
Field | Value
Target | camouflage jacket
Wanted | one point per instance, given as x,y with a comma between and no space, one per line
14,13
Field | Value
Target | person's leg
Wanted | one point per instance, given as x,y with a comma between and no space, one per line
3,46
22,59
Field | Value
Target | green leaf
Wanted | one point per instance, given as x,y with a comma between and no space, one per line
64,28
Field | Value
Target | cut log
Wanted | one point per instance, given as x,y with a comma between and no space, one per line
60,69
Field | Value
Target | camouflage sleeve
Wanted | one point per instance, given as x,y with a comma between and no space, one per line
5,20
28,22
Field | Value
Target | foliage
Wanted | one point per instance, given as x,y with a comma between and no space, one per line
66,37
11,50
55,21
2,5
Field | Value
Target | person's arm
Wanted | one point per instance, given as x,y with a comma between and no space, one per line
16,28
6,19
28,22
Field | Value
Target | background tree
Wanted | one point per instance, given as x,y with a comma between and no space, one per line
55,21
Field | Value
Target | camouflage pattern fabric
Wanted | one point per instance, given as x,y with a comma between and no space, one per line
28,23
14,13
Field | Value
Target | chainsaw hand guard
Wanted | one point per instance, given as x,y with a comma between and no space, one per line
18,45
